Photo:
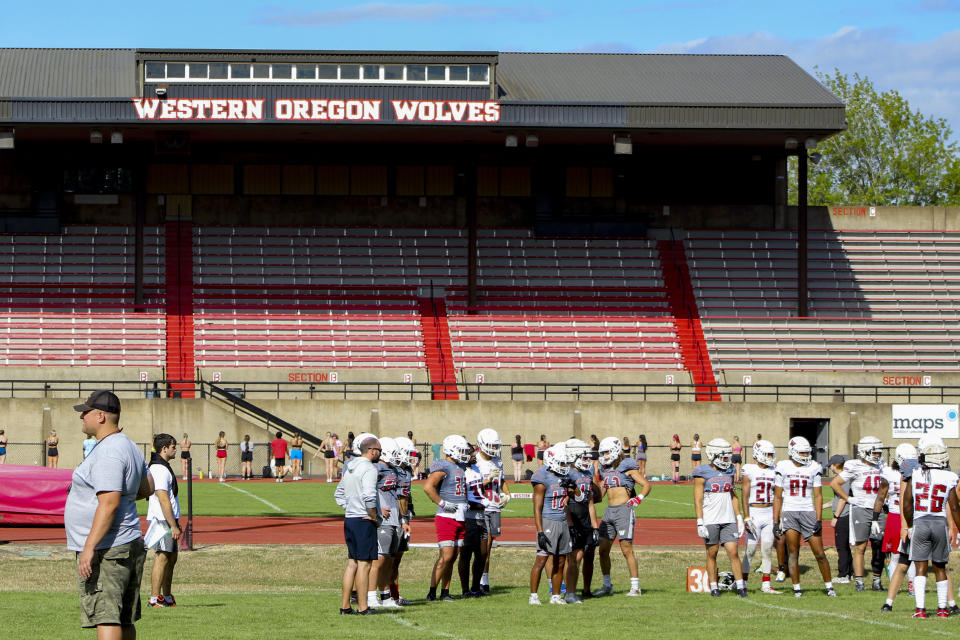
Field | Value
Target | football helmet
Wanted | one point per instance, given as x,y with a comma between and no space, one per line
578,454
488,441
610,450
726,582
719,453
390,452
799,450
456,447
933,453
407,449
358,440
905,451
555,458
764,452
870,450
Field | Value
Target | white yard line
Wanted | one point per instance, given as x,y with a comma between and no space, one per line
269,504
806,612
419,627
685,504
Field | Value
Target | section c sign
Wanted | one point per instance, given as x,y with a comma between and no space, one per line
914,420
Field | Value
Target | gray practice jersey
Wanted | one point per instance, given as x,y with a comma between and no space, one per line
387,487
579,507
404,482
452,488
555,499
618,476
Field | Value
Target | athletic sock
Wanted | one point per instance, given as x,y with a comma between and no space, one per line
951,603
713,586
394,590
606,580
433,592
153,600
444,592
858,579
796,587
634,583
828,585
943,591
919,589
889,602
485,579
741,584
385,595
766,578
892,565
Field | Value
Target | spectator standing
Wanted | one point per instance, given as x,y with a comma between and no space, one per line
357,494
101,521
337,445
246,458
542,445
675,447
88,445
3,447
296,456
737,449
516,454
627,447
53,451
164,508
185,445
416,454
278,446
696,448
221,445
329,457
595,452
642,454
841,525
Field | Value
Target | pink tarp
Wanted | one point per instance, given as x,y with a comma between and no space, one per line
33,495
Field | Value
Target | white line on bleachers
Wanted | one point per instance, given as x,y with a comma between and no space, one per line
269,504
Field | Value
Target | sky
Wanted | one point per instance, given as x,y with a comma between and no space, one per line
911,46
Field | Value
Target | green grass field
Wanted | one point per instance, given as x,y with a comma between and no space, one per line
315,499
232,592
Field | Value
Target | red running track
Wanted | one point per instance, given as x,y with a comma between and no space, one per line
209,530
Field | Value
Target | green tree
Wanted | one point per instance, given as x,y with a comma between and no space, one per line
889,154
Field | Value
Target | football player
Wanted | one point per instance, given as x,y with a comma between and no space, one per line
445,487
584,532
866,479
896,536
718,513
388,534
931,488
551,489
495,491
797,505
757,483
404,482
618,477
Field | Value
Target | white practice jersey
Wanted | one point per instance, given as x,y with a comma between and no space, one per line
492,471
865,480
893,491
931,488
798,484
762,482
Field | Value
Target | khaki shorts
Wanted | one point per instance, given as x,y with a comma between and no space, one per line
111,595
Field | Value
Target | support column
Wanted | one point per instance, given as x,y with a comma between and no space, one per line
802,300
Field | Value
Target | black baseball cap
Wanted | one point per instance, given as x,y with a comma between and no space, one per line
101,400
838,459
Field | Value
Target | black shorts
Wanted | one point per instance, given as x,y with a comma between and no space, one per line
360,534
539,455
280,462
695,457
328,454
736,459
184,455
246,456
675,457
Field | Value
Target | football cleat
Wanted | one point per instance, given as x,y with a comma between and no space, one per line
170,601
586,594
557,599
943,613
715,593
831,593
766,588
910,587
572,598
467,594
348,612
485,588
158,604
431,597
920,613
366,612
373,603
841,580
633,592
403,602
859,587
954,610
534,599
886,607
797,593
781,576
446,597
877,586
390,603
603,591
742,592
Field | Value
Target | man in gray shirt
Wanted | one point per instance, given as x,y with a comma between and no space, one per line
101,521
357,494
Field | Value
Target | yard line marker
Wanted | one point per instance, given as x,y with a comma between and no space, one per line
269,504
892,625
420,627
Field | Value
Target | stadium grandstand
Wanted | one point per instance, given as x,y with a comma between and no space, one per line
545,243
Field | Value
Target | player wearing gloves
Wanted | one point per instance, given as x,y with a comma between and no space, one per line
618,477
494,490
866,479
388,534
584,531
757,482
476,534
718,512
931,488
797,505
404,482
904,462
445,487
551,490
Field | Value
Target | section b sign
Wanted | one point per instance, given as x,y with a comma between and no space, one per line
914,420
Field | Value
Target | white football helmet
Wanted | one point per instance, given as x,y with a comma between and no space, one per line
390,452
870,450
933,453
488,441
407,448
764,452
555,458
578,454
799,450
905,451
610,450
358,440
719,453
456,447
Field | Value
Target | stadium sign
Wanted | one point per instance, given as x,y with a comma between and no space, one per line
914,420
316,110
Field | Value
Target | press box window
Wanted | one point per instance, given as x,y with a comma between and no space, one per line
436,73
218,71
371,72
261,71
176,70
392,72
282,71
458,73
349,72
416,73
306,72
327,72
155,71
479,73
198,70
240,71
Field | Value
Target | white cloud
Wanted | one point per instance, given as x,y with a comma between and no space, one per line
384,12
927,73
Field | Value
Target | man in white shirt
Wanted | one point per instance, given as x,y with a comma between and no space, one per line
164,509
